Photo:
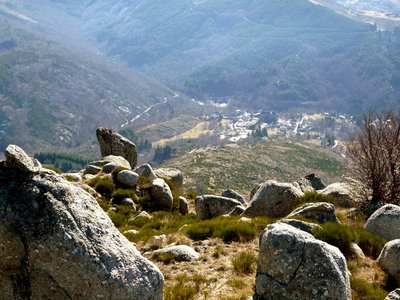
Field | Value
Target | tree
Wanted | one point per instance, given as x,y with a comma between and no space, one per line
375,154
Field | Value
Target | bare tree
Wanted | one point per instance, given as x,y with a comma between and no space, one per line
375,154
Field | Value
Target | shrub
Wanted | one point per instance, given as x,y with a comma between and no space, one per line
312,197
244,262
92,182
186,287
367,291
105,186
237,232
342,236
121,216
120,194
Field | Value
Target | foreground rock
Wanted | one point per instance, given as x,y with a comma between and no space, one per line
210,206
112,143
57,243
228,193
341,194
161,195
17,159
321,212
389,260
273,199
385,222
304,226
294,265
395,295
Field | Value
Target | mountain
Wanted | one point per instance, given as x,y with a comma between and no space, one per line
54,98
260,54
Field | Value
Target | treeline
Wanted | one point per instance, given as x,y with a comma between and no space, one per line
65,162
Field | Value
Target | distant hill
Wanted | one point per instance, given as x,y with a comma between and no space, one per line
54,98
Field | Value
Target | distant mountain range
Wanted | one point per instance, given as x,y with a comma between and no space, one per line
256,54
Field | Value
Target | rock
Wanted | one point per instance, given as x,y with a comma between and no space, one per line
294,265
304,185
315,181
273,199
128,178
321,212
109,167
178,253
356,251
112,143
173,176
228,193
92,170
389,260
140,219
183,206
385,222
394,295
305,226
146,174
57,243
17,159
112,159
210,206
161,195
237,211
341,194
158,241
72,177
131,231
245,220
128,202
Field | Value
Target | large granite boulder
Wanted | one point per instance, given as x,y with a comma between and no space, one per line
389,260
305,226
294,265
394,295
273,199
161,195
112,143
321,212
304,185
17,159
385,222
341,193
228,193
57,243
127,178
211,206
173,176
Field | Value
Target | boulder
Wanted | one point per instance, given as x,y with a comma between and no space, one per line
161,195
119,161
158,241
305,226
183,206
129,203
394,295
315,181
146,175
128,178
112,143
72,177
237,211
211,206
321,212
92,170
177,253
304,185
17,159
273,199
57,243
341,193
173,176
109,167
385,222
228,193
294,265
389,260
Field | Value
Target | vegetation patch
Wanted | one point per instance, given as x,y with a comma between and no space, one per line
244,262
312,197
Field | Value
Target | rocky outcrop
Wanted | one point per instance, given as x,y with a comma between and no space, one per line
389,260
294,265
341,194
321,212
57,243
273,199
385,222
17,159
228,193
161,195
173,176
112,143
211,206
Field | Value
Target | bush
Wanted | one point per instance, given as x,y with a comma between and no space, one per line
121,216
237,232
342,236
105,186
120,194
186,287
312,197
367,291
244,262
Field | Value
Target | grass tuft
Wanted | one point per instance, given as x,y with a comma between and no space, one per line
244,262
